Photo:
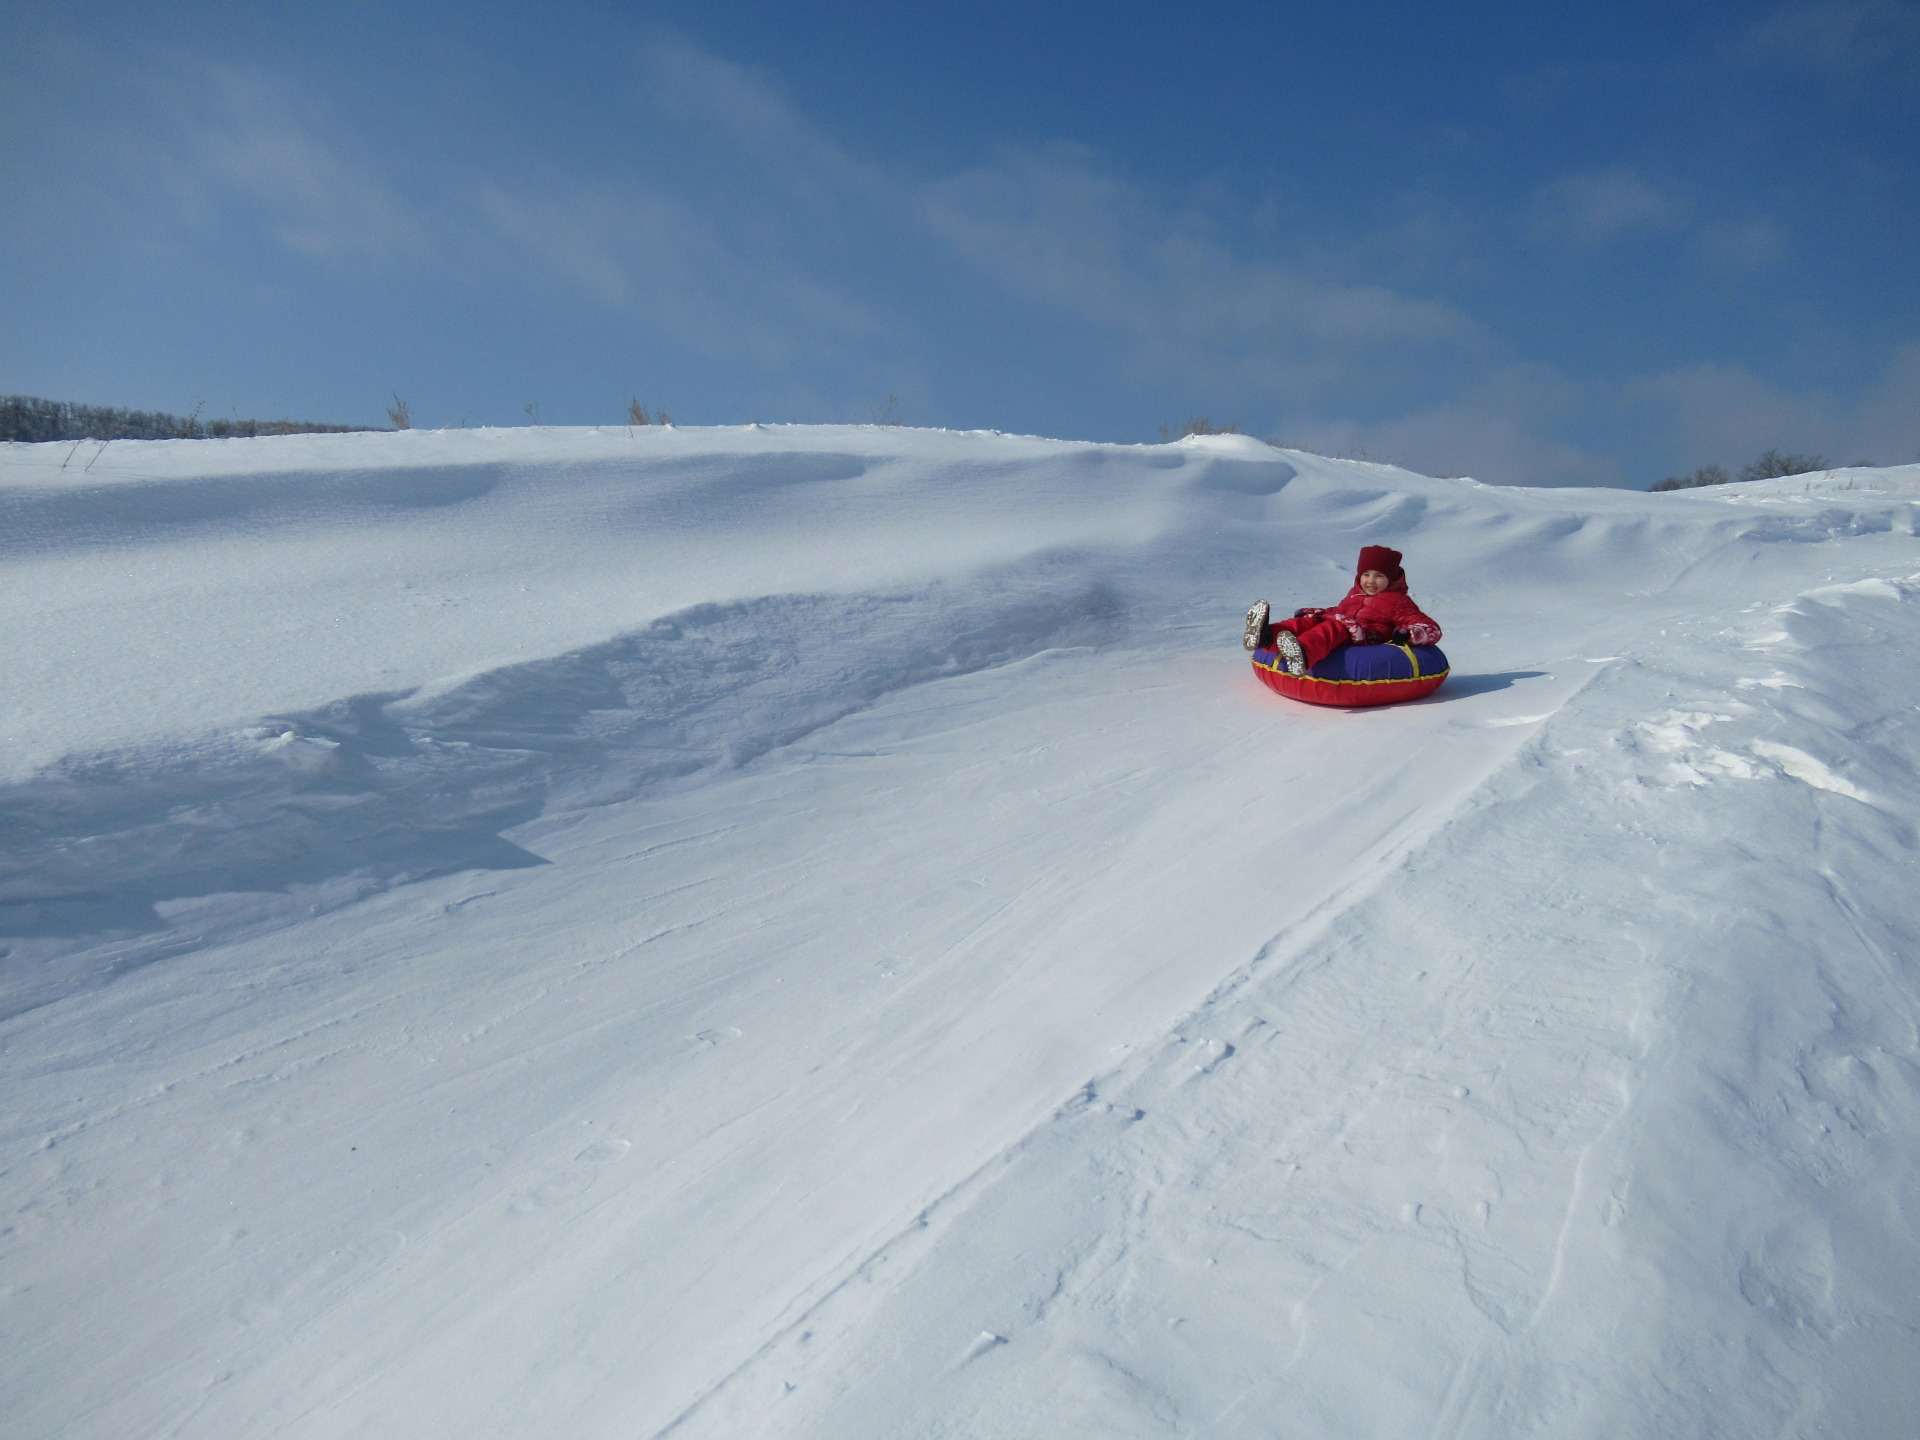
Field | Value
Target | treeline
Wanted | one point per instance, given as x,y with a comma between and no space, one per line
27,418
1769,465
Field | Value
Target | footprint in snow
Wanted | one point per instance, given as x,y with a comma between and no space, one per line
570,1181
1211,1053
602,1151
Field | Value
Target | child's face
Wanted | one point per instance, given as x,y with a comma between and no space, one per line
1373,582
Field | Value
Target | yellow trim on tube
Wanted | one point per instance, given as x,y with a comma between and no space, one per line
1279,669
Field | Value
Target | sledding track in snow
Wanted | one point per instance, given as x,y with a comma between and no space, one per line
962,1002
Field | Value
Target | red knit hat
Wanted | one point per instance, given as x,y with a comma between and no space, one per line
1379,557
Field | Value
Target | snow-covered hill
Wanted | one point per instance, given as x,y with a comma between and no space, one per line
817,931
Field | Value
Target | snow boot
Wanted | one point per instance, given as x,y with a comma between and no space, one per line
1256,625
1289,647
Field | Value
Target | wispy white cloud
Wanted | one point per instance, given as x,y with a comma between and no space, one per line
1048,225
750,113
1727,415
1746,246
253,135
1597,207
1838,37
1497,430
765,244
1886,421
632,245
1721,412
647,253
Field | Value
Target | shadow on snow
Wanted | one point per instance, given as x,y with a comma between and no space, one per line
383,789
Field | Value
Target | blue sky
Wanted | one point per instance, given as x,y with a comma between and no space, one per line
1534,244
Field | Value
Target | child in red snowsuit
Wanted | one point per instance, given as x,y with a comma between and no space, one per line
1377,610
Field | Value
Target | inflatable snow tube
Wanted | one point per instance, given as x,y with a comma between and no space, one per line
1358,675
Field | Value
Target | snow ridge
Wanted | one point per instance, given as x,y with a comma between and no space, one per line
329,806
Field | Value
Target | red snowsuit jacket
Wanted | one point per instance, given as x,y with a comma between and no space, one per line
1376,619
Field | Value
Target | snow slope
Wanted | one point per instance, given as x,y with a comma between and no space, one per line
817,931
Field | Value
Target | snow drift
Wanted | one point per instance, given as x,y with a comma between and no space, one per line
817,931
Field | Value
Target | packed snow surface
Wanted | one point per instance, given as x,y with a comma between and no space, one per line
818,932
